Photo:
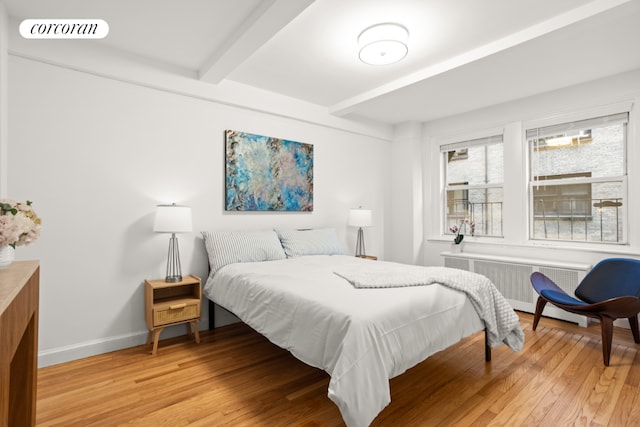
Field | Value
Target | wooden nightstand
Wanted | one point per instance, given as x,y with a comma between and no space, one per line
168,304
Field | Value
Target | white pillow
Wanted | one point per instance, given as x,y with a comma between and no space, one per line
319,241
228,247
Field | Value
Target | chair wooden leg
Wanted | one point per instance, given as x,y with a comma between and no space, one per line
606,324
633,322
539,307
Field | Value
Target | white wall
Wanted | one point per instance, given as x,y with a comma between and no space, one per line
96,155
405,233
4,36
509,118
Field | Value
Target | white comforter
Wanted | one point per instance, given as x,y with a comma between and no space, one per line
361,337
501,322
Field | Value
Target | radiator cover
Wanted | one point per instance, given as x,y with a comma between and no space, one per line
511,277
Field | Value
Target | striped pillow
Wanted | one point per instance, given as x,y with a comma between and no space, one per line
228,247
319,241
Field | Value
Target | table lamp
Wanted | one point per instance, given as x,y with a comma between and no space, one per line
360,218
173,219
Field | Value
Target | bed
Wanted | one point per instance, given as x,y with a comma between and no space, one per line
362,321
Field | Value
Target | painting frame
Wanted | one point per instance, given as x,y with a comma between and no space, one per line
264,173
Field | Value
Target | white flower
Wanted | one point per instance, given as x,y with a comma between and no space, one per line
19,224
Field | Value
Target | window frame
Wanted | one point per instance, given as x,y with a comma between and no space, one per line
579,120
462,145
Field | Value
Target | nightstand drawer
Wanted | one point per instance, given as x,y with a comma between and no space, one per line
176,311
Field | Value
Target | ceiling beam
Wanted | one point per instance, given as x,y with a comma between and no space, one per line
573,16
263,23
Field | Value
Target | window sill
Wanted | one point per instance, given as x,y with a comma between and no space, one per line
615,249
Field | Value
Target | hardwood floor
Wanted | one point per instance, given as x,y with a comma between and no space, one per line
236,377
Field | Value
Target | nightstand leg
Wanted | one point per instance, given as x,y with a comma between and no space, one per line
188,325
195,331
156,338
149,337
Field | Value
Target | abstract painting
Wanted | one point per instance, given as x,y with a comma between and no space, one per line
267,174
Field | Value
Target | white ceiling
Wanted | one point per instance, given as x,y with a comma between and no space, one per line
463,54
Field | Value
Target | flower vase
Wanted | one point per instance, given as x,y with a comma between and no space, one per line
7,255
456,248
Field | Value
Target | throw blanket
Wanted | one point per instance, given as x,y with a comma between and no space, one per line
502,323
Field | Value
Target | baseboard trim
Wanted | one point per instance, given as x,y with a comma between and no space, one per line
90,348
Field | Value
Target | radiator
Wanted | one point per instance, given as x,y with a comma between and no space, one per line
511,277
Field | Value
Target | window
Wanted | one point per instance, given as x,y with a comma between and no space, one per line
473,172
578,180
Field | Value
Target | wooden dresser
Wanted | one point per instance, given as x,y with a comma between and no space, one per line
19,295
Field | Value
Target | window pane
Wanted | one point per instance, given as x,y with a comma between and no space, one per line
568,212
475,165
598,151
483,206
563,199
474,173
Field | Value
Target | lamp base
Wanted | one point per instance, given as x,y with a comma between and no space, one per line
174,270
360,251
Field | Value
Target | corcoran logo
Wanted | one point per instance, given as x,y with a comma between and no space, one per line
64,29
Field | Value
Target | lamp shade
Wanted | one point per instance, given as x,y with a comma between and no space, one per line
173,219
360,218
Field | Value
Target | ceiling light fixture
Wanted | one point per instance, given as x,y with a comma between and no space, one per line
383,44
